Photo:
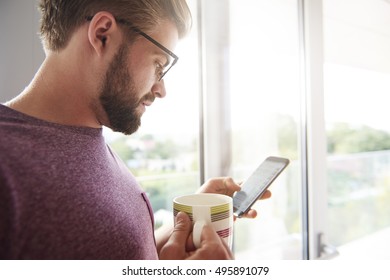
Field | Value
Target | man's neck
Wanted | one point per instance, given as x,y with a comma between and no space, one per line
59,94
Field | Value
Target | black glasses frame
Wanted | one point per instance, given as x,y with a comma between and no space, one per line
146,36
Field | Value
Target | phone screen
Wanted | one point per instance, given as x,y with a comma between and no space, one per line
257,183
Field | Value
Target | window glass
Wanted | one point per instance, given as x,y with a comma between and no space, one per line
265,111
356,88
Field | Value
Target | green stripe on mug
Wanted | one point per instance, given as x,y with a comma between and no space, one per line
219,209
182,208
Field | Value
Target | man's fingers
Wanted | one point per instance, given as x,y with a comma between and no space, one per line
182,228
230,186
213,246
267,194
175,248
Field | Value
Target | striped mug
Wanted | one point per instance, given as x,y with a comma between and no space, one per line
206,208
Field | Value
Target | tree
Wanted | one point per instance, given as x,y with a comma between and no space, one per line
343,139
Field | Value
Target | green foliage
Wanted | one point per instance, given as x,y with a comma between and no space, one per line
122,149
354,218
163,150
287,136
152,148
344,139
162,191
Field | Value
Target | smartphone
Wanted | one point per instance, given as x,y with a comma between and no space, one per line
253,187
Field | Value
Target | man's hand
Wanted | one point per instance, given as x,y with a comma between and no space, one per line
226,186
180,246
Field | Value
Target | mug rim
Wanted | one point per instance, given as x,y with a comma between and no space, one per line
226,199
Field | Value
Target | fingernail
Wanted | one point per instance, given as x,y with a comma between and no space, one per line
180,217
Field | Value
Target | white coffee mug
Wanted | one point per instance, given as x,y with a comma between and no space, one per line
206,208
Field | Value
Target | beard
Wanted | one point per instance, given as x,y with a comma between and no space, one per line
118,96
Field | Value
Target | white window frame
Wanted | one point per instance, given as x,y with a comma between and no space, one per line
313,133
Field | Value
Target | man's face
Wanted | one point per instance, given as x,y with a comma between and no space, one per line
119,96
132,82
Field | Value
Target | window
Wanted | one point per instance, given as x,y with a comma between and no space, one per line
357,84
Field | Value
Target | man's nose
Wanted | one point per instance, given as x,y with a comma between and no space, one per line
158,89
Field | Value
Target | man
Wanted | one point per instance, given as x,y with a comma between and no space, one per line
64,193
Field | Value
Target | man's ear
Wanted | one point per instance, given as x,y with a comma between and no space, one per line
102,31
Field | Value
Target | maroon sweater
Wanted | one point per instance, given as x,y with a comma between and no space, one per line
65,195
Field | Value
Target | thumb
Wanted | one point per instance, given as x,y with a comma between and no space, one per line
182,228
175,248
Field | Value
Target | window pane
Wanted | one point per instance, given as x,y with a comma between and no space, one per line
265,110
357,84
163,154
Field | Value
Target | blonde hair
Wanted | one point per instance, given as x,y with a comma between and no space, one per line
60,18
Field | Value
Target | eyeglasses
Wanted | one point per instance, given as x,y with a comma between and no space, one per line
169,63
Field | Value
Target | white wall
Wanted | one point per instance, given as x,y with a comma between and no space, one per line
21,51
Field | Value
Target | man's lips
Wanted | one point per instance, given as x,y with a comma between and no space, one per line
147,103
148,100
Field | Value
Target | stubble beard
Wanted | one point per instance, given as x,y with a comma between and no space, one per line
118,96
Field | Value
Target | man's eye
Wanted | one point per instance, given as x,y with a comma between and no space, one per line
159,69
